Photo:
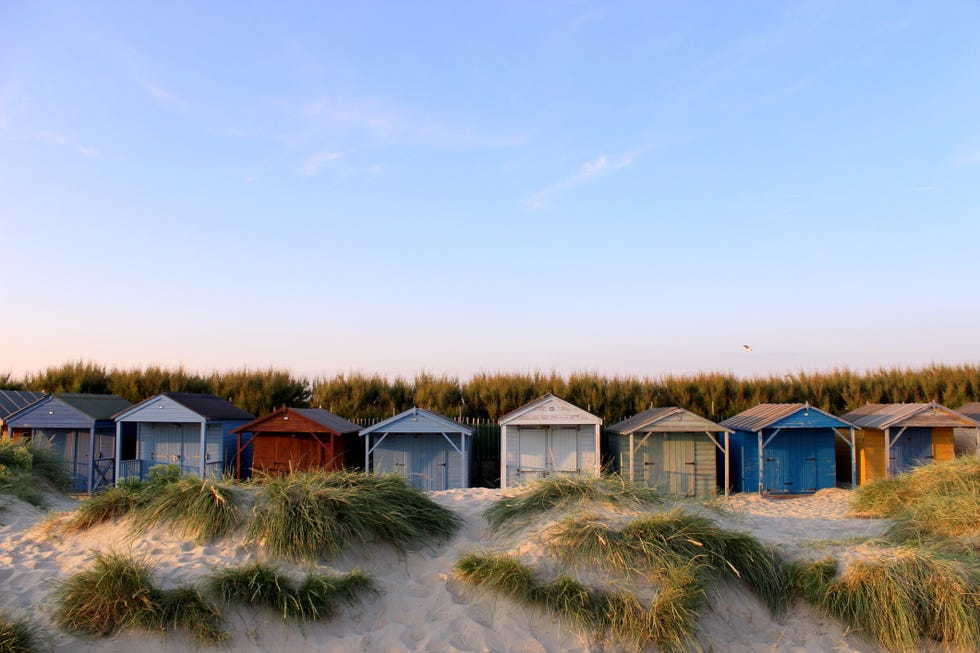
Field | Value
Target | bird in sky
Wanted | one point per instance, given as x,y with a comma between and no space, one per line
747,347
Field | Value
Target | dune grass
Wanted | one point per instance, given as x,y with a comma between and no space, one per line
669,622
312,515
202,510
928,504
561,491
117,593
317,597
19,635
27,470
657,545
899,601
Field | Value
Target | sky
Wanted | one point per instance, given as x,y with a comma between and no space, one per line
633,188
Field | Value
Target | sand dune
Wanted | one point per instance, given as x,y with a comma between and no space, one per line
421,606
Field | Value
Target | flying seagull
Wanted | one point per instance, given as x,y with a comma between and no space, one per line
747,347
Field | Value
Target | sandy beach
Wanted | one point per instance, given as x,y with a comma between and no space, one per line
422,607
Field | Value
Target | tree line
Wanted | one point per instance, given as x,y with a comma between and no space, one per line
715,395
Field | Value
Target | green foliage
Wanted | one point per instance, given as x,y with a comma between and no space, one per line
310,515
714,395
130,496
19,635
26,470
117,593
560,491
900,601
317,597
658,545
670,622
929,503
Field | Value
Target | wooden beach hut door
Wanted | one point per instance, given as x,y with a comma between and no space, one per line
562,445
532,453
177,444
914,447
680,465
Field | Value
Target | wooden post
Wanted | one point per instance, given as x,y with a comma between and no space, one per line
119,450
91,456
598,439
888,453
727,465
761,463
503,456
238,457
466,461
853,459
630,459
367,453
204,449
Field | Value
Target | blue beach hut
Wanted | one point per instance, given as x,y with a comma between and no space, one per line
786,449
192,431
80,428
428,449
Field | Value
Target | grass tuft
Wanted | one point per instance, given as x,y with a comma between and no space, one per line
930,503
27,470
560,491
106,506
19,635
203,510
317,597
658,545
670,622
312,515
117,593
899,601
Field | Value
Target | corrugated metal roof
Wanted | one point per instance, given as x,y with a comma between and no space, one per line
765,415
327,420
93,405
971,410
648,420
408,422
209,406
883,416
13,400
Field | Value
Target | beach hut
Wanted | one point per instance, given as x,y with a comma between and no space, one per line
545,437
672,448
80,428
966,441
293,439
192,431
12,401
895,437
786,449
428,449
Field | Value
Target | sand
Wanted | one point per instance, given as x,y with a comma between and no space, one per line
422,607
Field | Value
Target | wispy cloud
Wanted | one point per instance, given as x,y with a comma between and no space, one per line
314,162
162,95
968,158
598,166
60,140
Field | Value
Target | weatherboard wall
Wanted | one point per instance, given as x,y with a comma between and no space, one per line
796,461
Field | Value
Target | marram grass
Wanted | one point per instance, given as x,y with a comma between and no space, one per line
317,597
657,545
670,622
19,635
313,515
201,510
929,503
117,593
561,491
899,601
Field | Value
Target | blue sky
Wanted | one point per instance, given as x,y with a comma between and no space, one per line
626,187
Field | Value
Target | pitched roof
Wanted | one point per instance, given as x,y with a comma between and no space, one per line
209,406
883,416
12,401
531,406
324,418
971,410
416,420
655,419
93,405
765,415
